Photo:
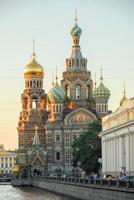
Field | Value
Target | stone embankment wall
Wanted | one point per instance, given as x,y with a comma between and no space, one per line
83,189
22,182
85,192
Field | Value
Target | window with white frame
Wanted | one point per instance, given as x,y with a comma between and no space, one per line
78,91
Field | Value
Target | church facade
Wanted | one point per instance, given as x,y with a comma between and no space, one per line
64,112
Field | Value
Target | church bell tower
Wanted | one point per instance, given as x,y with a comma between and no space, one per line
33,100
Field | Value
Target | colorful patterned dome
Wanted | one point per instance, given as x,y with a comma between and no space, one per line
33,68
76,31
101,93
56,93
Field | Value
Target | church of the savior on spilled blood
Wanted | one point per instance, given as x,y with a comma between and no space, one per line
49,123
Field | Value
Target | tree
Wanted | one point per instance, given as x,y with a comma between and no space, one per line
87,148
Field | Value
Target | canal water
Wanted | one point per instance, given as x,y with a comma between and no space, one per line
8,192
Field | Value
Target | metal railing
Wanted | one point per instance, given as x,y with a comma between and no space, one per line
5,179
116,184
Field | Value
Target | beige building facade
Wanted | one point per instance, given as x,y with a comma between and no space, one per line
7,160
118,140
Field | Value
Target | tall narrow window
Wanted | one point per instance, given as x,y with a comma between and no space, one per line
105,107
57,138
25,103
57,108
34,103
78,91
67,91
88,91
30,83
57,155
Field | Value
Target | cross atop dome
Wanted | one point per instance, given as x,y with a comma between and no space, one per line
76,19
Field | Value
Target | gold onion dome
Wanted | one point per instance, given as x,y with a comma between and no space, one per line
56,93
33,68
101,92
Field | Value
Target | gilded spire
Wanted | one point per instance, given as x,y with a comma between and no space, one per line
56,75
33,53
76,19
101,78
124,98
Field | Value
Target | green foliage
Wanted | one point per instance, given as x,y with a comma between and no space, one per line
87,148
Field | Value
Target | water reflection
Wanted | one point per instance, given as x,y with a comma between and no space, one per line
7,192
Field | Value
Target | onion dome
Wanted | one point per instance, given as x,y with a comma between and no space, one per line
56,93
33,68
76,31
101,93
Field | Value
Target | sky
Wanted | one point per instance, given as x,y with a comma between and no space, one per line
107,41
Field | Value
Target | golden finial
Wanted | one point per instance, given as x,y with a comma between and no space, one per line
33,54
76,19
101,78
56,75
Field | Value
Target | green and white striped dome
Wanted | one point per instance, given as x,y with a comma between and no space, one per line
76,31
101,93
56,93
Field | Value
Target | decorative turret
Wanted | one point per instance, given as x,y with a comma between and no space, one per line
56,97
101,95
76,62
33,101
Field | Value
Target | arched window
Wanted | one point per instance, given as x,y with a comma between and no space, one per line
58,156
34,103
60,108
25,103
88,91
34,83
99,108
105,107
57,108
78,91
67,91
54,108
77,63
